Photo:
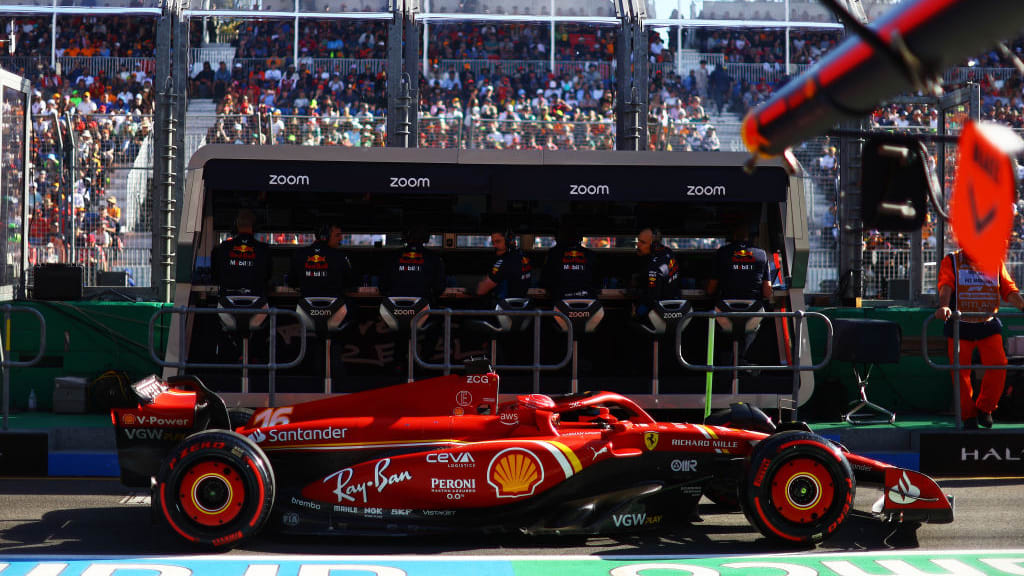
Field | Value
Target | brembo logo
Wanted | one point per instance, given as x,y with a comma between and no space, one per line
400,182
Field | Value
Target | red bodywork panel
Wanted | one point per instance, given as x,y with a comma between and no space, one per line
463,451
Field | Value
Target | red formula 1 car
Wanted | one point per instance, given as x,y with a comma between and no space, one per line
443,455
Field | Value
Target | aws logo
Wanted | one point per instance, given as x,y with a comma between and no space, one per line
514,473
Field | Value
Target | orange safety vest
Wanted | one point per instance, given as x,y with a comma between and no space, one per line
975,292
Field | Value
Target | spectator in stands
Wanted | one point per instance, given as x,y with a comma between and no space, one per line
721,84
202,82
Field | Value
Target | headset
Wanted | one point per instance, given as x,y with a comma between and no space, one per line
509,236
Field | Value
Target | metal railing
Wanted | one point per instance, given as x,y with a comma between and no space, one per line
536,314
796,367
956,366
5,363
271,365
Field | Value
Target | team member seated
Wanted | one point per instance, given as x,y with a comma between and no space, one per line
412,282
322,272
659,276
740,283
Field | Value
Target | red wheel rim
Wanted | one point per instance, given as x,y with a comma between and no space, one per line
802,490
212,493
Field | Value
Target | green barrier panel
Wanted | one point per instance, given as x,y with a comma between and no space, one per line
83,339
910,386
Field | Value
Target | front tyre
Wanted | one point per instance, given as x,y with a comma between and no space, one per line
215,489
798,488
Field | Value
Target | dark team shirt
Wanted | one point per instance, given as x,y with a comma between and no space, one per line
570,272
512,272
661,280
318,270
416,272
241,264
740,270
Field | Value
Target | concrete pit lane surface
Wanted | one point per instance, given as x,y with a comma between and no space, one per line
77,516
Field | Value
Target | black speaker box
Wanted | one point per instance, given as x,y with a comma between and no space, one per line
57,282
118,278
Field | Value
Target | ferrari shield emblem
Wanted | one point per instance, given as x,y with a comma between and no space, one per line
650,440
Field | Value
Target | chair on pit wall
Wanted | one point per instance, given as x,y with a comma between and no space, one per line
242,325
397,313
866,342
316,314
585,315
661,322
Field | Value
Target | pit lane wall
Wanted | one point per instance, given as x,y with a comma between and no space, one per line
910,386
83,339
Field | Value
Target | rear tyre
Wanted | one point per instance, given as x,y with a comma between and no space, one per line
239,417
798,488
215,489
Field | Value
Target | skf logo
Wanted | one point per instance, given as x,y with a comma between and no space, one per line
650,440
514,473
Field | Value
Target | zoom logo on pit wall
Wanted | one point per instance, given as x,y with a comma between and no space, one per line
973,453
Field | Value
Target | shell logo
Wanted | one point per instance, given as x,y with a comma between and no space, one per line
128,420
514,473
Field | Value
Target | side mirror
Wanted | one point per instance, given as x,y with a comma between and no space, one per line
897,183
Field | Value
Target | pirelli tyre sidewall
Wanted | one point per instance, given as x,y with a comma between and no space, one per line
797,488
215,489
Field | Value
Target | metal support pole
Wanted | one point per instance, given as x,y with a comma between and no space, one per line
327,364
655,368
448,341
536,355
272,376
245,365
955,361
797,324
575,367
411,359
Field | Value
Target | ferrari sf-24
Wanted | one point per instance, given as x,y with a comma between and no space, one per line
445,455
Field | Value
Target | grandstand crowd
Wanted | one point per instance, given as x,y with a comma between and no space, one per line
482,88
